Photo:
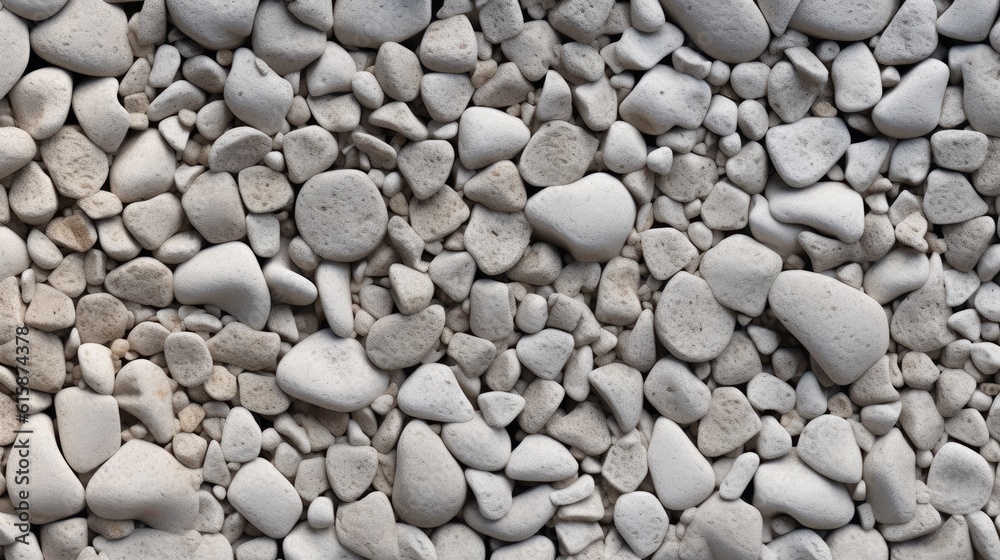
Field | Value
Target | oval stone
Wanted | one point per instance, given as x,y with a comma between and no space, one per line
429,488
690,322
591,218
331,372
729,30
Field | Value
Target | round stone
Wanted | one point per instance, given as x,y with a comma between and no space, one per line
341,215
960,480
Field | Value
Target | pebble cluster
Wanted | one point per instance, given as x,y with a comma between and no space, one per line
507,279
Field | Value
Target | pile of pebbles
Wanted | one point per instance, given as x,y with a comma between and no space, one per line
508,279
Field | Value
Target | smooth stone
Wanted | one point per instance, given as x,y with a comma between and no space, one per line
100,114
429,487
949,198
639,50
545,353
500,408
493,492
265,498
535,548
239,345
446,95
690,322
530,511
56,492
306,543
590,218
89,427
398,341
911,36
800,543
143,390
844,330
14,42
803,152
333,282
97,367
284,42
913,107
332,72
620,388
827,445
228,277
351,469
143,482
367,527
788,486
143,168
789,93
723,529
41,100
833,209
237,149
857,82
899,272
264,190
86,36
152,222
960,480
889,480
641,521
739,476
959,150
852,20
144,542
977,64
426,166
100,318
17,149
487,135
729,423
448,45
968,20
676,392
496,240
682,477
540,458
346,382
952,540
920,322
665,251
241,436
14,257
341,215
214,26
853,541
740,271
558,153
360,24
212,205
731,31
665,98
476,444
432,393
188,358
256,94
